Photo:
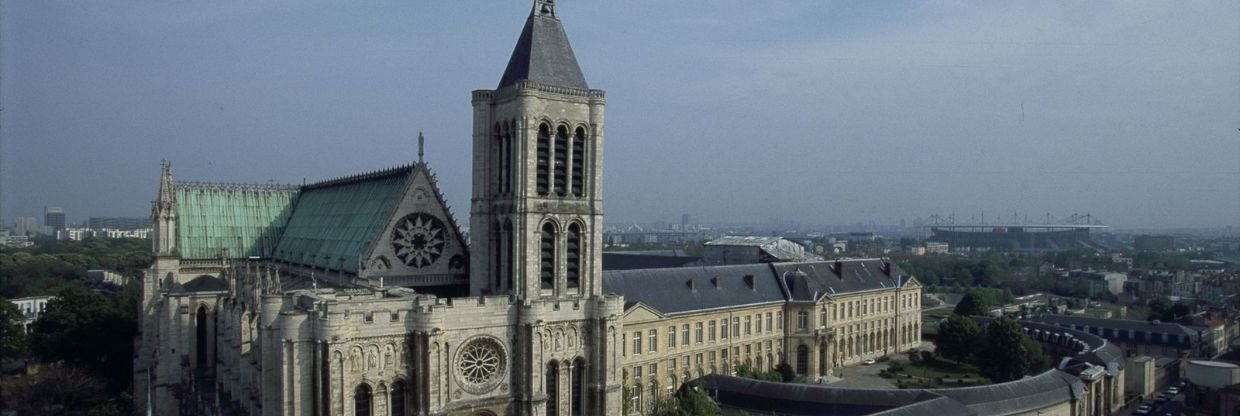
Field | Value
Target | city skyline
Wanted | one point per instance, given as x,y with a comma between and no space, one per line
837,112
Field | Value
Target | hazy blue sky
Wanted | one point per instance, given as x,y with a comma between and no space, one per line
824,112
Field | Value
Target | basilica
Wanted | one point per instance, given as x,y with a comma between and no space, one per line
361,295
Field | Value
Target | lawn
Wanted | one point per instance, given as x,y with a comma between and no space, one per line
935,373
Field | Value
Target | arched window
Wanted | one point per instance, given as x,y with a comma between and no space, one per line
578,401
508,168
547,254
802,359
498,257
543,167
398,398
553,389
579,152
822,360
362,400
509,272
561,160
573,273
497,158
201,340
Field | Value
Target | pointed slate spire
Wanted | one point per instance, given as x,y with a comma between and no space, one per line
542,53
166,194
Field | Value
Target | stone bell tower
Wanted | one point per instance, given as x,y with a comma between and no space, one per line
536,224
537,208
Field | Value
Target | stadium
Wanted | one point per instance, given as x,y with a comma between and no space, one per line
1026,238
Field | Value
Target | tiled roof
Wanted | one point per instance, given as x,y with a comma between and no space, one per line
334,221
668,291
230,220
811,281
1118,324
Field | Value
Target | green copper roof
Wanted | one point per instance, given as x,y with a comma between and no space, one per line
336,220
230,220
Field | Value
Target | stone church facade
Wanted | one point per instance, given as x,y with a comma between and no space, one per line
361,296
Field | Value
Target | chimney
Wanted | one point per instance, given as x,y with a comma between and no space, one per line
838,268
887,268
715,281
691,284
751,282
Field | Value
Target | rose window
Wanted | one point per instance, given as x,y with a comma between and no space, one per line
419,239
479,364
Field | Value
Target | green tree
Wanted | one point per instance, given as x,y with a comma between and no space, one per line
957,338
972,304
12,335
694,402
1008,353
1180,310
79,316
53,390
686,402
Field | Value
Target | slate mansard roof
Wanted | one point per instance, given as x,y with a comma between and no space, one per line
694,289
543,54
1127,326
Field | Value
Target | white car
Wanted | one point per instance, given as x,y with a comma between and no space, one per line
869,362
1173,391
1145,409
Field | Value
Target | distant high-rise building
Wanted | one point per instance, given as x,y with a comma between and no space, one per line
26,226
118,223
54,218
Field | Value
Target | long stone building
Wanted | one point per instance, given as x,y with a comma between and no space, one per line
361,296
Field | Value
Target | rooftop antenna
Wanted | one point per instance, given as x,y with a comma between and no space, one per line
421,143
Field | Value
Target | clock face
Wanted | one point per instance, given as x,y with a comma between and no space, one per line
419,239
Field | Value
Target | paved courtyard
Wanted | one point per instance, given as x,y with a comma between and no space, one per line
866,376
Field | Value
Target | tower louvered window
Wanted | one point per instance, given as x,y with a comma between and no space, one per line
574,256
544,160
579,152
505,157
508,272
497,158
547,255
561,160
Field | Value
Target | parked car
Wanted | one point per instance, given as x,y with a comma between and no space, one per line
1162,398
869,361
1144,409
1173,390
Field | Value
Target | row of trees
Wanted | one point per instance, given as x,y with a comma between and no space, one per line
51,265
80,351
1001,350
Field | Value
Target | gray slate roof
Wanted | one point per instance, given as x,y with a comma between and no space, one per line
809,281
1119,324
668,291
543,54
204,283
1017,396
1014,397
